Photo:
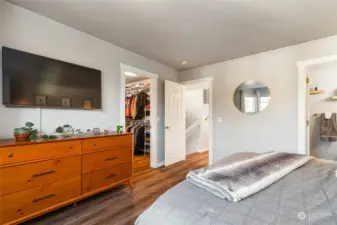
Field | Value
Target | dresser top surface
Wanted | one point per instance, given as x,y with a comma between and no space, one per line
13,142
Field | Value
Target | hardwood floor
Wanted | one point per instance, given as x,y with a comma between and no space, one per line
121,206
141,163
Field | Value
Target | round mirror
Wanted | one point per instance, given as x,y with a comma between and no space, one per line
251,97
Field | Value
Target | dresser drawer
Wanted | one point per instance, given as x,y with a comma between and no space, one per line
22,203
106,143
21,177
17,154
105,177
103,159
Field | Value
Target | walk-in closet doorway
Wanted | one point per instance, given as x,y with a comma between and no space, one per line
139,114
304,87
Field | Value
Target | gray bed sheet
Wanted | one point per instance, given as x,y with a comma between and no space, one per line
308,195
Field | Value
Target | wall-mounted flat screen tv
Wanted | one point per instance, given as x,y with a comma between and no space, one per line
36,81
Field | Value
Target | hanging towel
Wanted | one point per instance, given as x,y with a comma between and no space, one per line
327,115
329,128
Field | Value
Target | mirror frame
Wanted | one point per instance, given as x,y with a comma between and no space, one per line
248,83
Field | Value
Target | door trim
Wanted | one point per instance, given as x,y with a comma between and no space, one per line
153,104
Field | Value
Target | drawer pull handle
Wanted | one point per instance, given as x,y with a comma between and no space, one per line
93,145
10,155
111,176
110,159
42,174
43,198
70,147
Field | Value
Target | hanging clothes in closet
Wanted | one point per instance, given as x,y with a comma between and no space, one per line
137,101
135,105
139,135
147,129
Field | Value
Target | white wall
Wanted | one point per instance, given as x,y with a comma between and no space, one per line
325,77
24,30
276,127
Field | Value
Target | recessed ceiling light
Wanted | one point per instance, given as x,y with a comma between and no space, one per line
130,74
183,63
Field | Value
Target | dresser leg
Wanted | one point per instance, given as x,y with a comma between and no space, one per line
130,184
75,204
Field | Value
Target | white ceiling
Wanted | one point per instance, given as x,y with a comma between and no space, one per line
198,31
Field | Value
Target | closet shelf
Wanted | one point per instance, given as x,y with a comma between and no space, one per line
316,92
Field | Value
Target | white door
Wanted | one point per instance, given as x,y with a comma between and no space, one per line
175,149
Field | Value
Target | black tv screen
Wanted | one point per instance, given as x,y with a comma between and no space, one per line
37,81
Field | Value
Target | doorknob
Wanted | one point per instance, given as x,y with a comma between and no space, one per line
167,127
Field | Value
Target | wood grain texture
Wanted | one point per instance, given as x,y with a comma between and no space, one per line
40,177
141,163
103,159
67,202
18,178
18,154
90,145
102,209
28,201
106,176
13,142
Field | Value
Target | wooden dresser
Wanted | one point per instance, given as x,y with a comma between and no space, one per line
38,177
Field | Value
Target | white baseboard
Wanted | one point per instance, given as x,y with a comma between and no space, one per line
203,150
159,164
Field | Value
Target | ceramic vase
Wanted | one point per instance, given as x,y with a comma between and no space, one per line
21,134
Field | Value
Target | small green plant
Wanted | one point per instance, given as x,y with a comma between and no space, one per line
49,137
52,137
32,131
119,129
65,131
59,130
45,137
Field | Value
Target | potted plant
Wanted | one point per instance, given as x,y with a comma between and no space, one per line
26,133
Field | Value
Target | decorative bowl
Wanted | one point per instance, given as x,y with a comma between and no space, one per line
68,131
96,131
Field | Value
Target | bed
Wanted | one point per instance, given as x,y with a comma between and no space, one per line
307,195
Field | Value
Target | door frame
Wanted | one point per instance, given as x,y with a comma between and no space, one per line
209,81
303,67
153,105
